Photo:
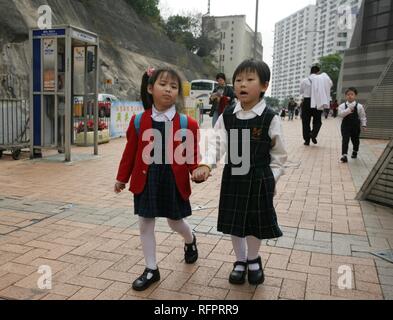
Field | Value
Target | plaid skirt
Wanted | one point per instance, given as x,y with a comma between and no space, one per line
246,204
161,198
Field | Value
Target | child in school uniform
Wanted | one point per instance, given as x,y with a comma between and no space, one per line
354,119
246,210
161,188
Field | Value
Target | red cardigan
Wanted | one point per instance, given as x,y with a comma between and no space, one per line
131,164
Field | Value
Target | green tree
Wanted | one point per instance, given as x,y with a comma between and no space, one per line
192,31
272,102
331,64
179,29
146,8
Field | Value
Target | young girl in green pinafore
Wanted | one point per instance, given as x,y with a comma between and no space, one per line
246,210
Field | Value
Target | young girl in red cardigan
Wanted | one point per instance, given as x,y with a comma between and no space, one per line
160,181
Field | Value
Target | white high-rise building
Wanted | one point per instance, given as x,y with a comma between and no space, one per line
335,22
292,52
235,42
320,30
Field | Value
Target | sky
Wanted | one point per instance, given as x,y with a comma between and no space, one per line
270,12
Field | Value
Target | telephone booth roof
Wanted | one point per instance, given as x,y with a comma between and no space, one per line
75,33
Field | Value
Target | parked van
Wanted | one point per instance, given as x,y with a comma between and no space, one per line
201,90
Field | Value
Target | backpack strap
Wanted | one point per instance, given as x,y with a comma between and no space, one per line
137,122
183,125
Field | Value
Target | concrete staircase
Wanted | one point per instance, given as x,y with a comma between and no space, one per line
378,187
379,107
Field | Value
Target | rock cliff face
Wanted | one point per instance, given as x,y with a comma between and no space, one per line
128,43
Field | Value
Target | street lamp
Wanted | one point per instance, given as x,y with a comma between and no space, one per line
256,29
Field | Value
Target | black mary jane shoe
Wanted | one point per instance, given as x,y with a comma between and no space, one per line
191,252
256,277
238,277
142,283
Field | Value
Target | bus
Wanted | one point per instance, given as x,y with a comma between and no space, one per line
201,90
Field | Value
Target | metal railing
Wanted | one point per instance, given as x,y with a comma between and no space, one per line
14,125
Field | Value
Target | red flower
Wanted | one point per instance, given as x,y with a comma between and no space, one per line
90,126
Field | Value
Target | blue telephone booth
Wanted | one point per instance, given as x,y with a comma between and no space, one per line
64,88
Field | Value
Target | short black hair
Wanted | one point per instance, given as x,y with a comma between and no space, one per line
221,76
353,89
252,65
315,69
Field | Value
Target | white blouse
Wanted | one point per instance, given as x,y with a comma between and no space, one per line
342,112
278,153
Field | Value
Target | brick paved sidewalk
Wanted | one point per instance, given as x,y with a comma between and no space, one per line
67,217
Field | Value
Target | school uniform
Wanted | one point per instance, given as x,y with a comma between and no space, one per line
351,124
246,201
160,189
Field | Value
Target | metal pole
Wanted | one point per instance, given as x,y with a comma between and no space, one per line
256,29
68,96
31,94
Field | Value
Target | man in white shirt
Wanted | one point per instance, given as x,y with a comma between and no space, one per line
305,91
318,87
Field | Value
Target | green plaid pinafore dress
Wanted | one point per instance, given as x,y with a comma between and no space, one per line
246,201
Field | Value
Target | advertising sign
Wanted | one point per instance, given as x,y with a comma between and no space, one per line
121,115
49,63
79,70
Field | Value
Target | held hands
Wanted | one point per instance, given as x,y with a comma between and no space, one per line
201,174
119,187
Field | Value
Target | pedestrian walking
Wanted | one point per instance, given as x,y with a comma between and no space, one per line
334,107
316,93
292,105
297,113
354,120
246,210
326,111
161,187
222,97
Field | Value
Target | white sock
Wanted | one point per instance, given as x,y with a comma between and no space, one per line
183,228
240,248
254,245
148,240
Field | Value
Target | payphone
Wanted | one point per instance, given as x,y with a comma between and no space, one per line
64,88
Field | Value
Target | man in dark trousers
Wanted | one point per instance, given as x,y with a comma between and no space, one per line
307,111
292,105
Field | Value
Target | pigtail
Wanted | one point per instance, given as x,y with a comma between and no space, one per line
146,97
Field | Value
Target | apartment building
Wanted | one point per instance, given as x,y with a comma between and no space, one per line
304,37
235,41
292,52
